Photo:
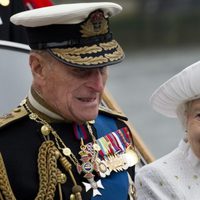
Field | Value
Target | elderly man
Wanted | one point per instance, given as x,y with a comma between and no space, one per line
60,143
177,175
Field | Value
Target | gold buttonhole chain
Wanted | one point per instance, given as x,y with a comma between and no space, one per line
46,129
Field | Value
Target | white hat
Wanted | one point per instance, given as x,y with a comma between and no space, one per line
76,34
63,14
178,90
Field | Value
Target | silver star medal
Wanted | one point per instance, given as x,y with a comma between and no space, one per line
93,185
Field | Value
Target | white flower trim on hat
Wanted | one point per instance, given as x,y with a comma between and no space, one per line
63,14
172,95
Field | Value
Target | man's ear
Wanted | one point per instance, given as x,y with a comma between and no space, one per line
37,65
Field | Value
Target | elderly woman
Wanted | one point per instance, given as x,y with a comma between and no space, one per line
176,175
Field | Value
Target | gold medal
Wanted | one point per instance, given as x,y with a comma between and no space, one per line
115,162
102,167
131,156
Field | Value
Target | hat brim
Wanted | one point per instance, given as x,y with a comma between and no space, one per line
181,88
93,56
63,14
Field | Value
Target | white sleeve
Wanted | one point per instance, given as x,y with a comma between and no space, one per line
153,184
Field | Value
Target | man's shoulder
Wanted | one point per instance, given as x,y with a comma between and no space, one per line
112,113
13,116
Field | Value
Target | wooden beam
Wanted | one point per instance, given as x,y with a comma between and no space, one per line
145,153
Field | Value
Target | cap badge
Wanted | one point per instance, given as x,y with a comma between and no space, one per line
96,24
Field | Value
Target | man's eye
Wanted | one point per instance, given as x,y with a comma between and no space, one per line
103,70
85,72
198,115
81,72
77,70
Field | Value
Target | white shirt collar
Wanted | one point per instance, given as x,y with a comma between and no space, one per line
42,109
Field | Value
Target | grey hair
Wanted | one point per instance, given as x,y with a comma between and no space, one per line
38,51
181,113
45,54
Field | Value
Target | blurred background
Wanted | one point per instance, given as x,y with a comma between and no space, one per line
160,38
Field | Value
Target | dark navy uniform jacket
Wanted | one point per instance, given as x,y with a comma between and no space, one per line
20,139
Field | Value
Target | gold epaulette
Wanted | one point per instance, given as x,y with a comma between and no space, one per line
14,115
108,111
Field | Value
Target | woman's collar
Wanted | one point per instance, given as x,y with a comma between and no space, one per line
189,154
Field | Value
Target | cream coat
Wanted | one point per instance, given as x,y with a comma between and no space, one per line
175,176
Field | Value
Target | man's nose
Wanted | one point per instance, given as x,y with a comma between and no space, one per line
97,80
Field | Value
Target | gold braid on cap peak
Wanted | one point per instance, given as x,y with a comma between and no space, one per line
87,60
109,45
73,55
115,55
77,51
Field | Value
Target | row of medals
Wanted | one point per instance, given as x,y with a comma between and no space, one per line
91,162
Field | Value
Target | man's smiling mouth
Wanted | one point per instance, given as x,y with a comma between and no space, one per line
87,100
